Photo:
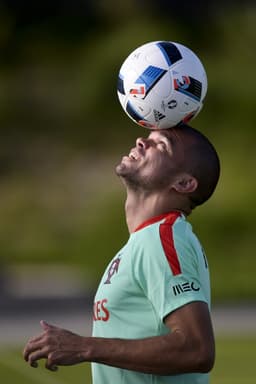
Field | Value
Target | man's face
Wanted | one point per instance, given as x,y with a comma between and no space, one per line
153,163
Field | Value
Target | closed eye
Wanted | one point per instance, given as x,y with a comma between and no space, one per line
160,141
162,145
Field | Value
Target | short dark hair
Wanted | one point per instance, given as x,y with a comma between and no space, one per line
201,161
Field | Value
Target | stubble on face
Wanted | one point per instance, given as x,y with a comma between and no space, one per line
153,170
129,176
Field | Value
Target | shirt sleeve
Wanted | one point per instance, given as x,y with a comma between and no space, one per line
170,270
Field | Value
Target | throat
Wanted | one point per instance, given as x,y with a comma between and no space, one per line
140,208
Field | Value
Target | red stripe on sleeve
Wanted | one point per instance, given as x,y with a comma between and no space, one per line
166,235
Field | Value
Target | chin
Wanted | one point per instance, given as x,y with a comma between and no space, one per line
120,169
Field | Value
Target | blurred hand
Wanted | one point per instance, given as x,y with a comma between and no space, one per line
58,346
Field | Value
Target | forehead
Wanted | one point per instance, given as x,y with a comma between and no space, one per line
158,134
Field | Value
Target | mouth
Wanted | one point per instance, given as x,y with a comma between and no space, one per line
133,155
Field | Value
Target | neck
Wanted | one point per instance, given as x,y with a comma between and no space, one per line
140,207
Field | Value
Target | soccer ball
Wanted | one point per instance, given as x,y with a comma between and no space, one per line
162,84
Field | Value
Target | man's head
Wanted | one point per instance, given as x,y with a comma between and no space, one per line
180,159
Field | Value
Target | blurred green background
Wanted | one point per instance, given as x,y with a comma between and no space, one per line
63,131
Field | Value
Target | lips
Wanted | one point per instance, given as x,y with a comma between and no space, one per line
134,155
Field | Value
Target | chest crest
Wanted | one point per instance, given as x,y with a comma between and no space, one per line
113,269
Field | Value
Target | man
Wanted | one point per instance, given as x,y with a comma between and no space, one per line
152,319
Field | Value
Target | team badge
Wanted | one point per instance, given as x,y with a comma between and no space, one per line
113,269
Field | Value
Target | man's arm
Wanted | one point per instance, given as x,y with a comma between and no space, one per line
189,347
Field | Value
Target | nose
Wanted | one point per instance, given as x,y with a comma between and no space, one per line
142,143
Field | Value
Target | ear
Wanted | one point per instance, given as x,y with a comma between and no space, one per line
185,183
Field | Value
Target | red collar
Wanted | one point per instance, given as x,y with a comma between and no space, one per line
170,215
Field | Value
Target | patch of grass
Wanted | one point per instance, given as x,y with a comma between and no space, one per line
13,369
235,360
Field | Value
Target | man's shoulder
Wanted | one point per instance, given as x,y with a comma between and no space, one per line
175,225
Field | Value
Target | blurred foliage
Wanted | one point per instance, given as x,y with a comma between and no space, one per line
63,130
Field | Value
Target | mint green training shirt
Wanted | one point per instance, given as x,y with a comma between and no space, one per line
161,268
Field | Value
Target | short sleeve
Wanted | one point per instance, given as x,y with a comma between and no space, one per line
169,267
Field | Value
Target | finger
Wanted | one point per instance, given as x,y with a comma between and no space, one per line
51,367
30,348
51,363
46,326
37,355
34,364
35,338
32,343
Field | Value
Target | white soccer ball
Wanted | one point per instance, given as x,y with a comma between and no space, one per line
162,84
